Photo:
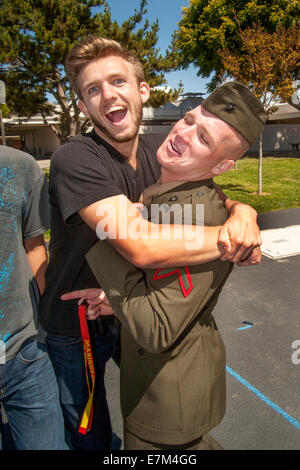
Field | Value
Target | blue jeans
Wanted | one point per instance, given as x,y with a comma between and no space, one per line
29,396
67,357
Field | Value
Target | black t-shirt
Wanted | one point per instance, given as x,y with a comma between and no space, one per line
85,170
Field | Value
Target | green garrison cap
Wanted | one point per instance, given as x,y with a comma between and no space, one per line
239,107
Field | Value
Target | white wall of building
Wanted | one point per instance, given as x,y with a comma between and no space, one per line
278,137
164,130
42,142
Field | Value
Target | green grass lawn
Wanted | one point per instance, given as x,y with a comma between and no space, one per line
280,183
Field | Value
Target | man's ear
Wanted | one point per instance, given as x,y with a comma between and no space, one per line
145,92
222,167
83,108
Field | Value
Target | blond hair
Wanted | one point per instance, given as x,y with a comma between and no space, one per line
96,47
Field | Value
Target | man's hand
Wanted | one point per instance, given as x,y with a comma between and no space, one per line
239,238
98,303
254,258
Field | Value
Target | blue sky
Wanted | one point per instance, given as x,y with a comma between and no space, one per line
168,13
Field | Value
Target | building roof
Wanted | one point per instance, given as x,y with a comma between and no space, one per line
285,112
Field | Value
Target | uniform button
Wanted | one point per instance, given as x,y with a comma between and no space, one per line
230,107
173,198
140,351
200,193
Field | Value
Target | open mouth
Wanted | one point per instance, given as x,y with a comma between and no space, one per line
116,114
175,151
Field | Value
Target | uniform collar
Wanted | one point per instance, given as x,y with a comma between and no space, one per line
158,188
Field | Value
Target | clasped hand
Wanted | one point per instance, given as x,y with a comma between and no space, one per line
239,238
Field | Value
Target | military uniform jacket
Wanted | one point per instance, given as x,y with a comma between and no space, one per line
173,357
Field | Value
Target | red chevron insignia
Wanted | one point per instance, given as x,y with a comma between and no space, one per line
183,276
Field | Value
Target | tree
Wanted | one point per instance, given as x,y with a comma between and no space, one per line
211,35
265,64
35,37
208,26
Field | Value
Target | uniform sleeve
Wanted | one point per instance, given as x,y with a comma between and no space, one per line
155,306
79,177
36,209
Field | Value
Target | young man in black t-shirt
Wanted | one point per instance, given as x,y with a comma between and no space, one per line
111,165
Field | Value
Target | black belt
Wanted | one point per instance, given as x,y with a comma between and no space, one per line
101,323
108,319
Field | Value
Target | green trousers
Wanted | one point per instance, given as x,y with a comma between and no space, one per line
133,442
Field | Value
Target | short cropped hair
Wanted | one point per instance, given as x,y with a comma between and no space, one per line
96,47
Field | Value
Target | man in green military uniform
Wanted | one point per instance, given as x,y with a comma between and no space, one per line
173,357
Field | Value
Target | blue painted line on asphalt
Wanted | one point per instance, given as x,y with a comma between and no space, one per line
263,397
